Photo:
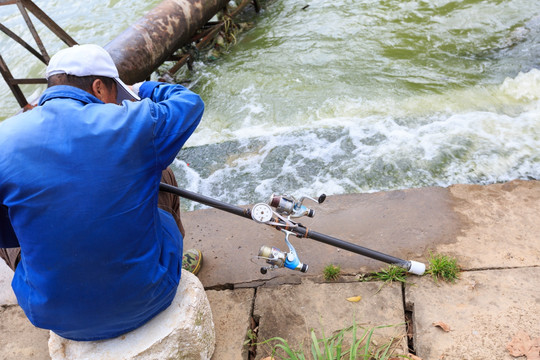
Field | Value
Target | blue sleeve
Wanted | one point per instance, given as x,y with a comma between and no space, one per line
177,113
8,239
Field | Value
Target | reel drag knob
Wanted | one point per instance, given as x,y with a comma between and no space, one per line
261,213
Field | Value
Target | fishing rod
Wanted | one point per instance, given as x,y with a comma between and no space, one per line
279,213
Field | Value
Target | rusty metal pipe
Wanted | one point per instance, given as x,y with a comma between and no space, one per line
146,44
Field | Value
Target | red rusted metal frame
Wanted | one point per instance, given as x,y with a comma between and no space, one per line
33,30
42,54
49,23
23,43
6,74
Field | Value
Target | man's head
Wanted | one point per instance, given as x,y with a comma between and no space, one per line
90,68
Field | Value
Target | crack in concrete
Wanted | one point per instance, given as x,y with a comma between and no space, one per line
500,268
253,330
4,307
408,312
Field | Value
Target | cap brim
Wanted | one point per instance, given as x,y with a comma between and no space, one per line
124,92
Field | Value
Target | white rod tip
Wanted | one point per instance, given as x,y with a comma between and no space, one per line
417,268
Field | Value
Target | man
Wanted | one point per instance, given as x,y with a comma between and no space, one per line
79,179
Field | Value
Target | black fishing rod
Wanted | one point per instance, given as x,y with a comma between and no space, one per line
287,208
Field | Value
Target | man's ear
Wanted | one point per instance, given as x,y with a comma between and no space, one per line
97,88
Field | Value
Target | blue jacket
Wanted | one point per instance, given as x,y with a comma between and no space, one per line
78,190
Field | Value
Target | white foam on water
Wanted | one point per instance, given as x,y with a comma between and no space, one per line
524,87
351,146
513,96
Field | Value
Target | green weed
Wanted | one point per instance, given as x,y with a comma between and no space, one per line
390,274
443,267
331,272
335,348
251,338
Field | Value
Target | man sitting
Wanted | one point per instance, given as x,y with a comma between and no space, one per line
96,251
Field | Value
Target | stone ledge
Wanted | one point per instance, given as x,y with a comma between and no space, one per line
185,330
7,296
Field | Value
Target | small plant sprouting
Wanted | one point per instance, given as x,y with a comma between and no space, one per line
391,273
331,272
251,338
443,267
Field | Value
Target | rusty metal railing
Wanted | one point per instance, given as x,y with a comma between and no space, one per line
141,48
41,53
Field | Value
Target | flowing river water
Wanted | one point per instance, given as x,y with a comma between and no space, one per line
348,96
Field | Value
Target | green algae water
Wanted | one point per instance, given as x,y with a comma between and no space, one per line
352,96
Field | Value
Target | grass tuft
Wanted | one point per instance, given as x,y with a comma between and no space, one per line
390,274
443,267
353,342
331,272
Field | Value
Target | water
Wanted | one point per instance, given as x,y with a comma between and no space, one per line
360,96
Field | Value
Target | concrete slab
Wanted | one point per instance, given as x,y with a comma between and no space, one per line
484,310
501,225
485,227
231,310
7,297
20,339
292,311
499,221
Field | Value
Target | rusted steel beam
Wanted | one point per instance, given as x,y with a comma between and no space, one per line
47,21
23,43
33,30
145,45
29,81
42,55
15,89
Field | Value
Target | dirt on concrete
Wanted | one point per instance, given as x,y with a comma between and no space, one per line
484,310
500,225
19,338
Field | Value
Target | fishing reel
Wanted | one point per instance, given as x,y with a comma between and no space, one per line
288,206
279,259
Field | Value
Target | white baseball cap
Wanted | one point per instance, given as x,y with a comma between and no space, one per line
88,60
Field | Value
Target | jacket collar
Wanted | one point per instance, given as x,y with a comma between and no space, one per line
69,92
